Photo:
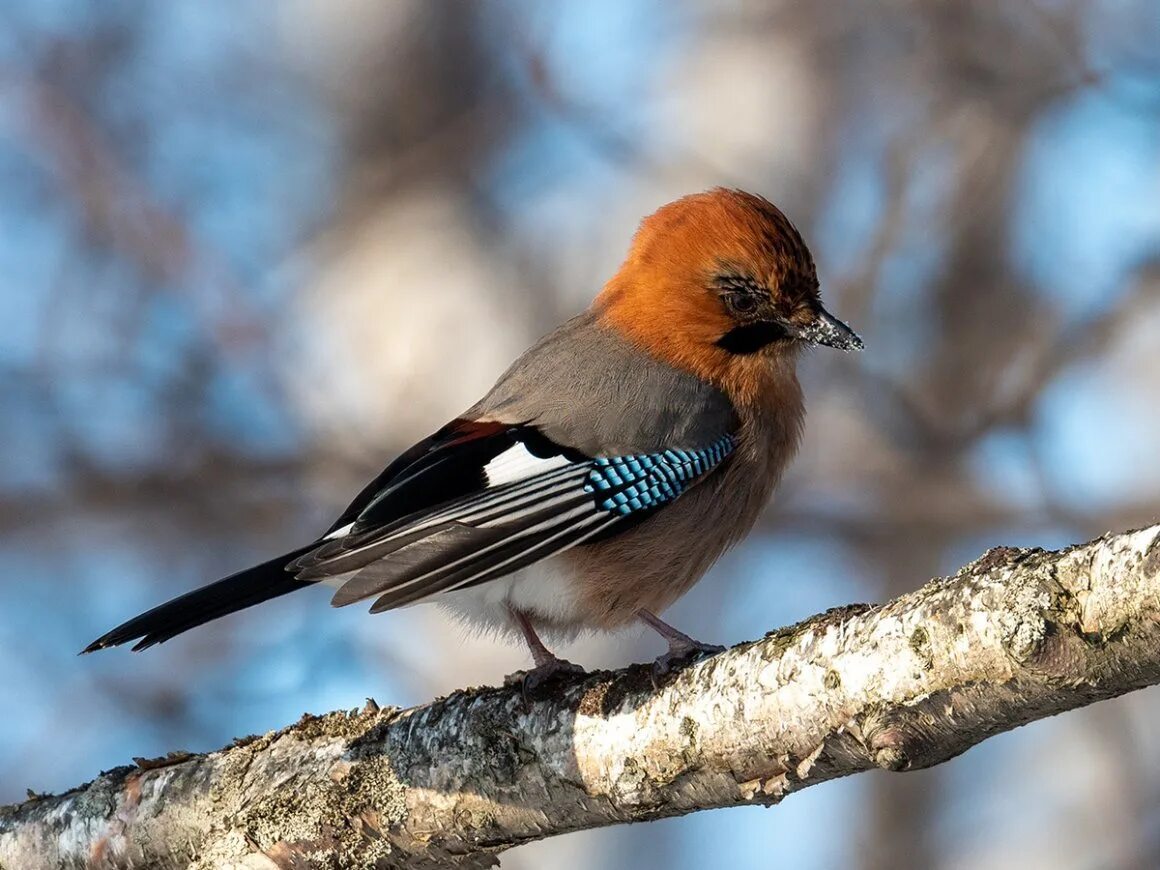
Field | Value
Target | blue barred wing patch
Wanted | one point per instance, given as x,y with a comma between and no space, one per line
627,485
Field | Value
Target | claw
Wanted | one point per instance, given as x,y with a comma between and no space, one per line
542,675
682,648
683,653
548,666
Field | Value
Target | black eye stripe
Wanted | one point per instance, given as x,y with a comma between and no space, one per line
751,337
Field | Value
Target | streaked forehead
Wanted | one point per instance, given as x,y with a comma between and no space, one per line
727,227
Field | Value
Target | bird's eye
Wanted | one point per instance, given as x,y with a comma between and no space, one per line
741,303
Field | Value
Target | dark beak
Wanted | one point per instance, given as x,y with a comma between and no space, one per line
828,330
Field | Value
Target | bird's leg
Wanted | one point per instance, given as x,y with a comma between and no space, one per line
548,664
681,646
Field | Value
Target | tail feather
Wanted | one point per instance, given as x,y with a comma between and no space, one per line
233,593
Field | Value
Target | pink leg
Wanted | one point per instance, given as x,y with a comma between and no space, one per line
681,646
548,664
541,655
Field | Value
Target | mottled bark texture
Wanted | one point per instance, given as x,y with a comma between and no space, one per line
1015,636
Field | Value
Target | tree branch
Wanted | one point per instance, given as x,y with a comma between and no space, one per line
1015,636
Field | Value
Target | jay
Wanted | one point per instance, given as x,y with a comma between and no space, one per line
605,471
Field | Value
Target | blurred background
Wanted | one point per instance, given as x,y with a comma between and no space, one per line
250,251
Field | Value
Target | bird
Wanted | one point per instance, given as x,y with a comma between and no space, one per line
605,471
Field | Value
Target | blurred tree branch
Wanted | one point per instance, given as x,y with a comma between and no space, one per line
121,212
1015,636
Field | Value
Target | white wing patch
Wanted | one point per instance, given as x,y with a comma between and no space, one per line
339,533
516,463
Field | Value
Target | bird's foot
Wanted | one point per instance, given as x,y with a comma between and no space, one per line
682,648
543,673
548,667
682,652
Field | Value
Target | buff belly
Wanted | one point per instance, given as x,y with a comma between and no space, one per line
546,592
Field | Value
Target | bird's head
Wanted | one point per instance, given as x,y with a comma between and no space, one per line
721,283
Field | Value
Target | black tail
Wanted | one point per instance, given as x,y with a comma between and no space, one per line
236,592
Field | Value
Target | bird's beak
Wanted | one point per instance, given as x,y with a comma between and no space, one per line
828,330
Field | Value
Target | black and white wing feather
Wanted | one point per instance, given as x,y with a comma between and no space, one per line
531,499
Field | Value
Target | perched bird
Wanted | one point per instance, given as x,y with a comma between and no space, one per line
606,470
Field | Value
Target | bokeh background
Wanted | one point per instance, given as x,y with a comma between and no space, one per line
249,251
